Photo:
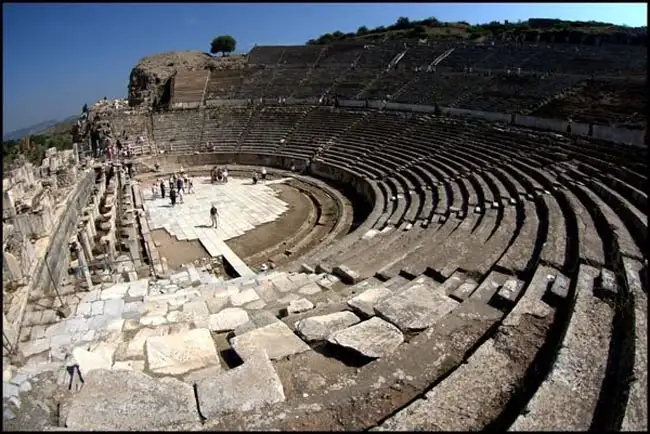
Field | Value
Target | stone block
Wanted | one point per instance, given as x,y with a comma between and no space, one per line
138,289
97,308
254,384
276,339
464,290
415,308
244,297
374,338
366,301
228,319
299,306
116,291
346,274
180,353
309,289
130,400
134,349
217,303
202,374
319,328
199,312
100,358
114,307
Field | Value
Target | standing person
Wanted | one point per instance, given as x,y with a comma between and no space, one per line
263,173
190,185
162,188
179,183
180,195
172,196
153,190
225,174
171,183
214,216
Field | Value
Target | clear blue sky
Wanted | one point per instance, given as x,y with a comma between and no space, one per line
56,57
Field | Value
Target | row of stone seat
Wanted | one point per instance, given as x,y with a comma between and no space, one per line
555,252
188,86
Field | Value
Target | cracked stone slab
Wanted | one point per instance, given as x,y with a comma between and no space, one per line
199,312
138,289
228,319
276,339
130,400
244,297
366,301
299,306
100,358
252,385
309,289
181,352
374,338
116,291
416,308
319,328
134,349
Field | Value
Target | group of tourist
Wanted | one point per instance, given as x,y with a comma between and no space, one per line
262,174
220,175
178,186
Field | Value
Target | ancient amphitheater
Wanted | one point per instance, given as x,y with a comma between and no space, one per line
456,235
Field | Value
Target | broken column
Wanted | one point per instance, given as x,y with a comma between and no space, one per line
82,263
84,240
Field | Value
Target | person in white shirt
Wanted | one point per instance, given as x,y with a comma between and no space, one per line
263,173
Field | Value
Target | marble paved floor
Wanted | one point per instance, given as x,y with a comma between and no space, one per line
241,206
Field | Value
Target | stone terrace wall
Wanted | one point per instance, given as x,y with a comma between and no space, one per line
611,134
57,258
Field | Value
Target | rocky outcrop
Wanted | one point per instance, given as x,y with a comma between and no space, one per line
149,76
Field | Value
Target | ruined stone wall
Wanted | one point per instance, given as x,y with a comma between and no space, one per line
57,256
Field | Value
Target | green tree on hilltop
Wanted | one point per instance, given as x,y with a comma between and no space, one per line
223,44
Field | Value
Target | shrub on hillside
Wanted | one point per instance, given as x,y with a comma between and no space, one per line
223,44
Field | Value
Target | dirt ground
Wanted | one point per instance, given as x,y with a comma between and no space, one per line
273,233
179,252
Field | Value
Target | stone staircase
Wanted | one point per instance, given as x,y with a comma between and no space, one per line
139,350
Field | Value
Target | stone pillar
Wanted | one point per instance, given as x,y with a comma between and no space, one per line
75,152
83,264
109,246
85,242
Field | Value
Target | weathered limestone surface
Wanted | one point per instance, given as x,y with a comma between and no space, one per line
636,411
318,328
181,352
276,339
252,385
130,400
416,308
366,301
373,338
228,319
567,398
299,306
100,358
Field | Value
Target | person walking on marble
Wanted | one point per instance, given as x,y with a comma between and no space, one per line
263,174
179,184
172,196
162,188
214,216
180,195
